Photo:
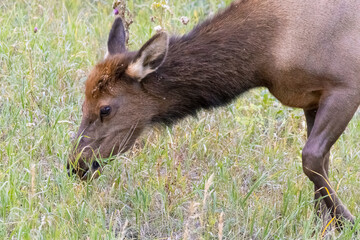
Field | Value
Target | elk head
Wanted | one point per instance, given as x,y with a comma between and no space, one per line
117,106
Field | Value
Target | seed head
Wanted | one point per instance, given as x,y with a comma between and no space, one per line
184,20
158,28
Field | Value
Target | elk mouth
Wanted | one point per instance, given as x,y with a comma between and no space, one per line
84,175
73,171
88,163
85,172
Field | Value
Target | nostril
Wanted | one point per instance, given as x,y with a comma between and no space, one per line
95,165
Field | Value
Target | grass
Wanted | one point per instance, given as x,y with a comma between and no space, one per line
234,172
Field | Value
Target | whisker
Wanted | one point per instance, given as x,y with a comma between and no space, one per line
130,134
124,140
127,138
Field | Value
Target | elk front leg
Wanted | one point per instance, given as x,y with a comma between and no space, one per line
334,113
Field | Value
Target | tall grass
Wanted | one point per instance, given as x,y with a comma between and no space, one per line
230,173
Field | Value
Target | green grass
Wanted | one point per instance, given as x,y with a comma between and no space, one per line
241,162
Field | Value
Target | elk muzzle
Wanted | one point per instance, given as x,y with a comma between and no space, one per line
83,170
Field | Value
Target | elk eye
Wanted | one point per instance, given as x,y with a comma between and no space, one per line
104,111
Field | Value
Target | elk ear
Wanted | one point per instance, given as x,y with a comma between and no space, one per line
117,36
149,57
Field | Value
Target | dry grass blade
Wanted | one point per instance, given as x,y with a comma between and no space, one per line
221,226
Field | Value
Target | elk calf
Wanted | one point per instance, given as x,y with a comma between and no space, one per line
307,53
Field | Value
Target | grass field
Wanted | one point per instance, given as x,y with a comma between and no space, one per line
230,173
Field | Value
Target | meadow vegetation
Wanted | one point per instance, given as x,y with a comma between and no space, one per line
230,173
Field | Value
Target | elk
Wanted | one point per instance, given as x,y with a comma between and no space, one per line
306,53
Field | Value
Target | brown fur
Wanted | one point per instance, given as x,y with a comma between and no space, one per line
307,53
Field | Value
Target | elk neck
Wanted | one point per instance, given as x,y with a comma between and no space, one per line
214,63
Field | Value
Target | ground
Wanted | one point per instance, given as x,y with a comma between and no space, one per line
230,173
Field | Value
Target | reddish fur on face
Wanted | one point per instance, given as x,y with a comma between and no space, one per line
104,76
103,81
